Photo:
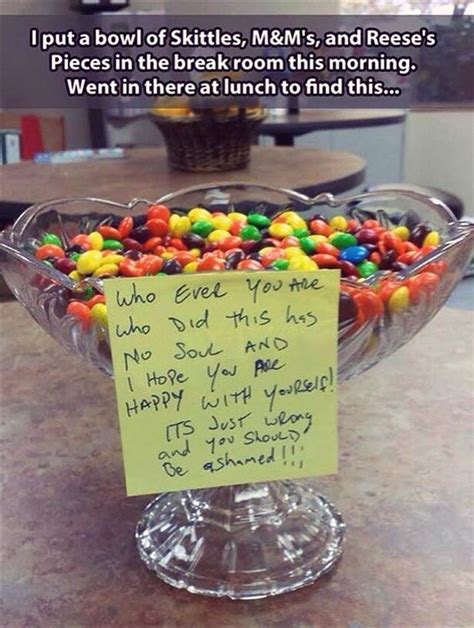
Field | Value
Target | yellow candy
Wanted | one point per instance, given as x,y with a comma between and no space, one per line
96,241
167,255
302,262
238,217
222,222
99,314
339,223
294,220
269,249
191,267
113,258
317,239
179,225
402,232
293,251
399,300
198,213
88,262
106,269
195,252
280,230
218,235
432,239
74,275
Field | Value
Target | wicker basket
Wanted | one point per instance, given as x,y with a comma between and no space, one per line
209,141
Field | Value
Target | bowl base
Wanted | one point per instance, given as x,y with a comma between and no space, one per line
245,542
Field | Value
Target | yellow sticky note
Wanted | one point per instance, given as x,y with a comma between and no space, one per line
225,378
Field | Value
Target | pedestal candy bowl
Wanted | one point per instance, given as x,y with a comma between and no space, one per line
400,256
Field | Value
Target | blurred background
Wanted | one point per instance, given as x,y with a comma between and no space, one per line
431,146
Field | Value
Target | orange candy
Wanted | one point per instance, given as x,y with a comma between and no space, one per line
151,244
326,248
387,288
326,261
369,303
160,212
211,262
125,227
81,312
82,240
319,227
109,233
98,298
150,264
49,250
157,227
128,268
425,282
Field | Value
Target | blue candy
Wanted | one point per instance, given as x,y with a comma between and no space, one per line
354,254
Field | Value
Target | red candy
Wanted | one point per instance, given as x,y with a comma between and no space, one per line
157,227
158,211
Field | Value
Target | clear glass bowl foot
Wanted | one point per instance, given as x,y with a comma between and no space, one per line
242,542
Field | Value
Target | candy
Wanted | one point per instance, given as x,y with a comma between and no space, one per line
49,250
258,220
65,265
367,268
399,300
156,227
80,312
88,262
163,243
113,245
342,240
250,232
367,236
338,223
280,230
402,232
98,314
202,227
125,227
51,238
158,211
432,239
354,254
308,245
198,213
96,241
179,224
109,270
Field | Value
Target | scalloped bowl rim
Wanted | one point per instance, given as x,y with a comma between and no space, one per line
7,237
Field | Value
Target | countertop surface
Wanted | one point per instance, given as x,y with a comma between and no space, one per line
404,487
144,173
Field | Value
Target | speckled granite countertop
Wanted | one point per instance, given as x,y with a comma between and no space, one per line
404,488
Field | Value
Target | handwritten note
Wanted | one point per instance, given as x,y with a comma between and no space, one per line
225,378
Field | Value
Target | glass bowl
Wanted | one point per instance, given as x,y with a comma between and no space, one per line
246,541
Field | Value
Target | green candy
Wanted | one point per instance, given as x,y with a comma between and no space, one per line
51,238
249,232
112,245
343,240
301,232
75,256
87,294
308,245
367,268
202,228
258,220
280,264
